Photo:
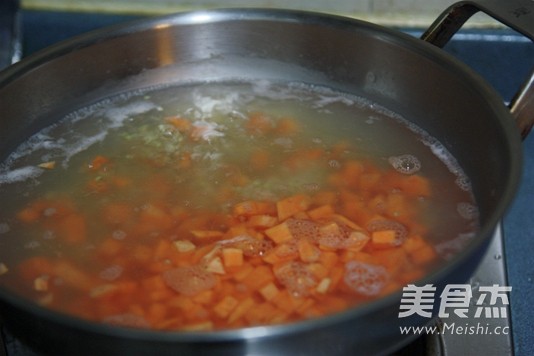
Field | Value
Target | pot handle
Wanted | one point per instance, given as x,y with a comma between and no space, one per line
516,14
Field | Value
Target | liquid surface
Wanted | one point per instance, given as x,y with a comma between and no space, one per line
226,205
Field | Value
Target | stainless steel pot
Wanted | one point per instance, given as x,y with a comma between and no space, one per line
409,76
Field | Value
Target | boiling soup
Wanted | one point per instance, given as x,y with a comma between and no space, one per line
216,206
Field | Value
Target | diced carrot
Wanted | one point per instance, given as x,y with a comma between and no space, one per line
127,287
118,213
183,125
250,208
160,295
262,221
332,304
182,303
204,297
345,221
215,265
280,233
243,272
384,238
304,307
260,160
285,301
318,270
29,215
377,203
356,241
201,252
262,313
40,283
141,253
184,245
304,158
352,170
290,206
98,163
153,283
391,258
336,275
269,291
47,165
328,259
239,179
200,326
330,229
325,198
281,253
207,234
156,313
258,278
368,181
154,218
308,252
397,206
302,215
225,306
73,276
3,268
241,309
232,257
424,255
98,185
110,247
72,229
258,124
287,126
185,160
103,290
322,212
44,208
323,285
159,187
121,182
415,186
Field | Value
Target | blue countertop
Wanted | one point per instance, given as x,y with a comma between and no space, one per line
504,65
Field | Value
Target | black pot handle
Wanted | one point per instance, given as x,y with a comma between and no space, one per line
10,44
516,14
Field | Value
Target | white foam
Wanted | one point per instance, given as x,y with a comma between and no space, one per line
65,148
117,116
19,174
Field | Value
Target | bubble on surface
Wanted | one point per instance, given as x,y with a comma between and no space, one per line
49,235
296,278
463,182
18,175
111,273
467,210
189,280
401,232
249,245
118,235
32,244
365,279
303,229
334,164
405,164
